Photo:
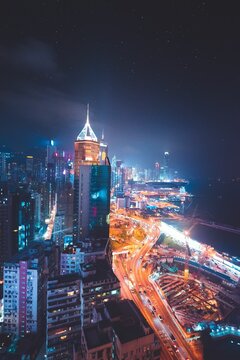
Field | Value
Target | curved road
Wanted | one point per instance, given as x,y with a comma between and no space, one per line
130,270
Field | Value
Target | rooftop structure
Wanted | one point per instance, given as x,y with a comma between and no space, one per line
87,132
121,332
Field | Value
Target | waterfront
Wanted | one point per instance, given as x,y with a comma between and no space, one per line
219,202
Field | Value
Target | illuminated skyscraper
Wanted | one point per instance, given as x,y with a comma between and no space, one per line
94,202
21,220
87,150
87,147
166,165
118,177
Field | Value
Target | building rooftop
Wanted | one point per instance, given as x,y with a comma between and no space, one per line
127,321
96,337
61,279
98,245
32,251
102,271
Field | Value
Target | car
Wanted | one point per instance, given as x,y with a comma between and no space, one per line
160,317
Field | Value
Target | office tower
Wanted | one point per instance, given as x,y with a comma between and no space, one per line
58,229
51,188
166,165
103,150
4,158
23,291
118,177
5,245
87,149
94,202
21,218
37,210
63,316
157,171
51,151
29,166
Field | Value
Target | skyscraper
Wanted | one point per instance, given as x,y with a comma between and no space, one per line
87,149
94,202
5,244
22,220
166,165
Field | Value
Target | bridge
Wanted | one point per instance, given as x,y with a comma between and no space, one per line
223,227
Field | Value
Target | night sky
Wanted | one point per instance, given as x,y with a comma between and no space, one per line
159,76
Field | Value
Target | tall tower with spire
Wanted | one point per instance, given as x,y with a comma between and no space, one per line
87,150
86,146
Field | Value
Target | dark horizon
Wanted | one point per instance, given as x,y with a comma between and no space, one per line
159,78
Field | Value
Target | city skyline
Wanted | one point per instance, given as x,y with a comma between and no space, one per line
119,185
164,77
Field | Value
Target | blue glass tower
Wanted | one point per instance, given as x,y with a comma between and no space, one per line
94,201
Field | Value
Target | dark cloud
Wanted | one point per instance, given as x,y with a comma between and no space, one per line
32,55
45,112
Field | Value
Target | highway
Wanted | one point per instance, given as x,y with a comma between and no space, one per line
151,303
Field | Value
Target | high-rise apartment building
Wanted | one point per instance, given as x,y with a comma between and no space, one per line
63,316
23,291
99,285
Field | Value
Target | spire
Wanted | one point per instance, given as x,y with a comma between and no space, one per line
102,135
87,121
87,132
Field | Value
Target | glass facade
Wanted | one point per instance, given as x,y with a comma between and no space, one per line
99,199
